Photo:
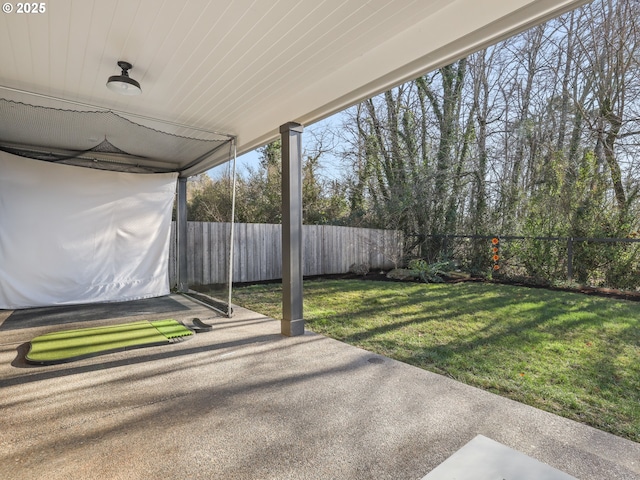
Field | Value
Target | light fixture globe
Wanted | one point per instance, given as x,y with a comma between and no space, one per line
123,84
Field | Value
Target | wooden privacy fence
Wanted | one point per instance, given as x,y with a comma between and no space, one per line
257,247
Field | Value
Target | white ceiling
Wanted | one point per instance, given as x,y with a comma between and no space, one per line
245,67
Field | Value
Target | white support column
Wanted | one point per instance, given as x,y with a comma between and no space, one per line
292,315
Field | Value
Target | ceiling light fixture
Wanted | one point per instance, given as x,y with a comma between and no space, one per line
123,84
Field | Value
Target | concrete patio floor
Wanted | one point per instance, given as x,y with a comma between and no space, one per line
243,402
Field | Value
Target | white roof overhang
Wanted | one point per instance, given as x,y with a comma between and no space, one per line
244,67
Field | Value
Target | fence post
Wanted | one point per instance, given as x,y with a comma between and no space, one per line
570,259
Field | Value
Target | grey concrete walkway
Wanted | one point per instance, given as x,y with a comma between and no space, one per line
242,402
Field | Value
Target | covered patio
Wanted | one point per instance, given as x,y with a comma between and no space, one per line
244,402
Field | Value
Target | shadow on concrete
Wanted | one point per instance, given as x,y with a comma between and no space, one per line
60,315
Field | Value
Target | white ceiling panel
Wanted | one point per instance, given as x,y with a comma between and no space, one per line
244,67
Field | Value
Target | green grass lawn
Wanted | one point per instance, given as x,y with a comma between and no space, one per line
574,355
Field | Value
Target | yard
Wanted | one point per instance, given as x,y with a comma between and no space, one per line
574,355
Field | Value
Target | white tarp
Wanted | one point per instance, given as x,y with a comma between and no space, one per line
77,235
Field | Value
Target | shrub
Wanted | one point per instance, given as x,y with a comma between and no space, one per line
359,268
428,272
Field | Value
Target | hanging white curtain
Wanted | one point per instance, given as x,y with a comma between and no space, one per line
73,235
